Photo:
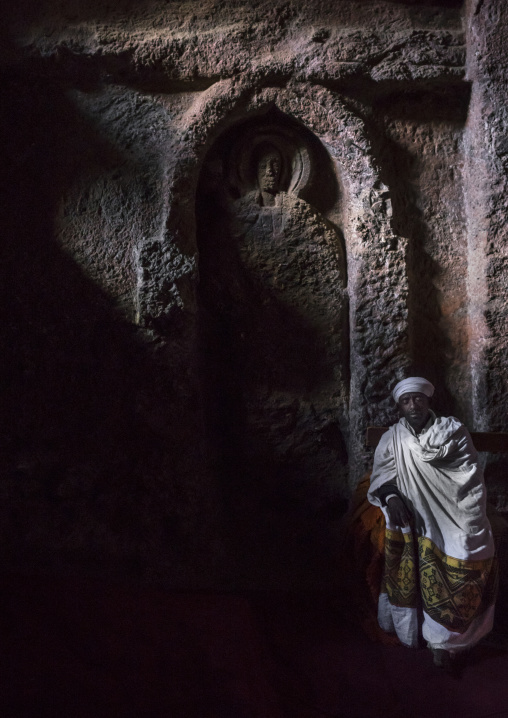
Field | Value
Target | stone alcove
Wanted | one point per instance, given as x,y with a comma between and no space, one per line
330,177
274,338
375,255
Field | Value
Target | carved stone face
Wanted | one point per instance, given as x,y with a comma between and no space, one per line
269,171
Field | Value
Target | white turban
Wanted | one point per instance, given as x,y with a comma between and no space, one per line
411,385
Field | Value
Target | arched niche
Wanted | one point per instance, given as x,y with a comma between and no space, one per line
376,257
170,288
273,335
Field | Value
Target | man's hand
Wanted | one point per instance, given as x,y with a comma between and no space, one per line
398,512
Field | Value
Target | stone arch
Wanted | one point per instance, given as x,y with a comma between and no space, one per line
273,320
377,300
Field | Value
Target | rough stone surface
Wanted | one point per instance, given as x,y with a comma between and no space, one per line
189,371
275,335
486,183
421,154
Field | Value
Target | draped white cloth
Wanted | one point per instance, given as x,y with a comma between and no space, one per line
438,475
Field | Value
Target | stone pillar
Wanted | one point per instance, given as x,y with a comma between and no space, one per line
486,182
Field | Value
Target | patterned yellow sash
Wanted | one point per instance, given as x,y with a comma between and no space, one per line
453,591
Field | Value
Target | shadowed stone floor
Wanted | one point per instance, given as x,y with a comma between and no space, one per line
79,649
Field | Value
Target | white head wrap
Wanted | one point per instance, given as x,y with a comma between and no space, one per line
413,384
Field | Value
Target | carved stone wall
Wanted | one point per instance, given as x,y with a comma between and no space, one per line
275,333
485,191
189,357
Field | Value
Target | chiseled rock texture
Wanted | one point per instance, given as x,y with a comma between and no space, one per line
190,362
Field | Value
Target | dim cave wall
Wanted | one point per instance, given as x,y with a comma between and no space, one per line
123,130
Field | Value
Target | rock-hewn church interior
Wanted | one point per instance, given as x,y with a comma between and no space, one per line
229,228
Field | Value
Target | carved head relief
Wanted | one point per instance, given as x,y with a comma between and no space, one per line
269,168
270,156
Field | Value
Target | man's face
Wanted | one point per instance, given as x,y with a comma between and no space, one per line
415,408
269,168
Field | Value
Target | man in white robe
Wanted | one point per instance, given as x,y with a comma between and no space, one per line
440,575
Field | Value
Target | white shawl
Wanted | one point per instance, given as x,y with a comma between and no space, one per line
437,472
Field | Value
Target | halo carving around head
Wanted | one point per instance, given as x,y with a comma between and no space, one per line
296,164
